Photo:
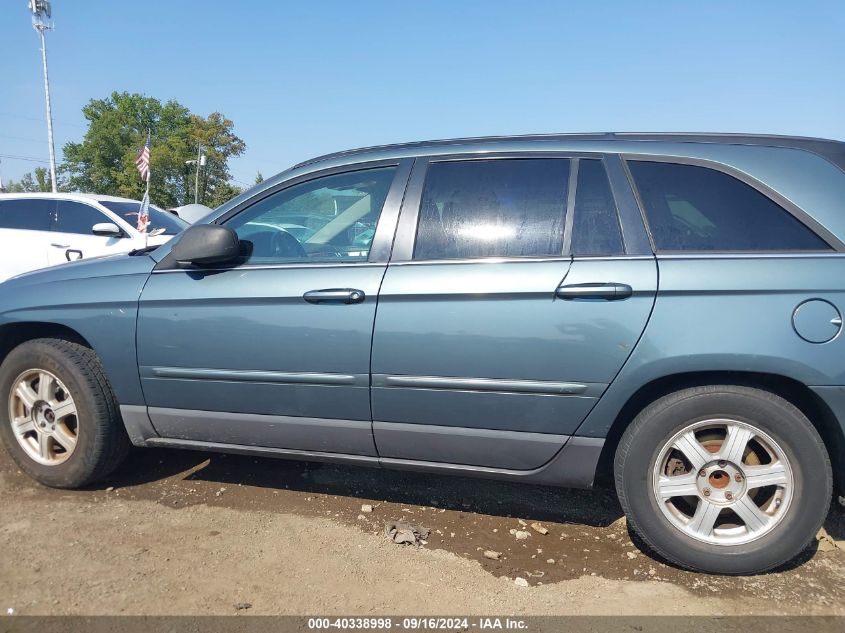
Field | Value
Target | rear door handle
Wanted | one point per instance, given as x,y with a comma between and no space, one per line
606,291
335,295
57,245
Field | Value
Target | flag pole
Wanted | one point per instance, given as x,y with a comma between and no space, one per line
147,195
143,164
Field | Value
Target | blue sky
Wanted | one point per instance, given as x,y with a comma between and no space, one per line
304,78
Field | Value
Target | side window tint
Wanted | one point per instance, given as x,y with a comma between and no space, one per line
328,219
691,208
595,225
493,208
30,214
77,217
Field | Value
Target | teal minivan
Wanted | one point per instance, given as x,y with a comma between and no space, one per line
661,313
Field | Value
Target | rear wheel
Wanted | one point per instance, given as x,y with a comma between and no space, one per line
60,421
724,479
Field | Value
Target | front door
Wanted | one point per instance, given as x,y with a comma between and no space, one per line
275,350
509,306
72,233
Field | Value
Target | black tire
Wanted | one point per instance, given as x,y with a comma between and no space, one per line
640,448
102,442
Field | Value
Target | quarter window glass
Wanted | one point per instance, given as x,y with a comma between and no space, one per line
493,208
691,208
328,219
32,214
77,217
595,229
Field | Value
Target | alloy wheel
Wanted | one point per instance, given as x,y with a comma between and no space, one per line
43,417
723,482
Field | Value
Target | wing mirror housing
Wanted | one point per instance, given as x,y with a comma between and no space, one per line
107,229
206,245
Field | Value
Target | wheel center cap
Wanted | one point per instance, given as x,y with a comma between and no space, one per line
721,482
719,479
43,416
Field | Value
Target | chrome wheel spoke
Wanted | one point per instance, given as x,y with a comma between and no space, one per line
677,486
44,446
692,449
774,474
46,387
735,444
26,394
22,425
63,409
64,438
753,517
704,519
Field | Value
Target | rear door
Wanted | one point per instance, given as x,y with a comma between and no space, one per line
24,234
509,305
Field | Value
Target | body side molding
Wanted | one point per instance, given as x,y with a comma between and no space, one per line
490,384
239,375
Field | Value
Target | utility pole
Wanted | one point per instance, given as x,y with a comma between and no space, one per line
42,21
199,162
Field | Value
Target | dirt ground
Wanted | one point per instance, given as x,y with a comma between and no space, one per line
178,532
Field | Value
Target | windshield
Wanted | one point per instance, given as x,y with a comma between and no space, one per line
159,219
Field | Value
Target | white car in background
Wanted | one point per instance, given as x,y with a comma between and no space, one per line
44,229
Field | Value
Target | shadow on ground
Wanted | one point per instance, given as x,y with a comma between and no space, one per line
596,508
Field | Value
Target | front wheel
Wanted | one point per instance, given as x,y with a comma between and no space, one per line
59,419
724,479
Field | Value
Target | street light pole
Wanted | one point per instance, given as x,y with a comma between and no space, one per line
199,163
197,178
41,21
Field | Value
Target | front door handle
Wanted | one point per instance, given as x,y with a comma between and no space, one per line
335,295
57,245
606,291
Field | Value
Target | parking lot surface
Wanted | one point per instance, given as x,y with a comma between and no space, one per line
176,532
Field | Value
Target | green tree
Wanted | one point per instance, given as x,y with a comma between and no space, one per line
259,178
43,182
221,193
104,162
29,182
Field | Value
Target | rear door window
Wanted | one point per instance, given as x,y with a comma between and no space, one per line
595,227
27,214
692,208
493,208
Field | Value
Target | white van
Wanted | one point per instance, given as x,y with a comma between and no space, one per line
44,229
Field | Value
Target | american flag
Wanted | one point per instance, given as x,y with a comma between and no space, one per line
143,161
144,213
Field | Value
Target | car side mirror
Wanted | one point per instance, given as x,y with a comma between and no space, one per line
107,229
206,244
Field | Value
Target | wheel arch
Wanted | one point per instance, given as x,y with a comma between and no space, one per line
791,390
13,334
